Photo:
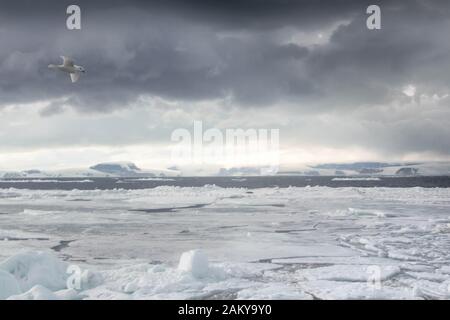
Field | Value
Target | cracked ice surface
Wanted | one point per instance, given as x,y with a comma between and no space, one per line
287,243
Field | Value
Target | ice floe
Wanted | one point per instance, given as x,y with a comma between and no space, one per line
194,262
268,243
36,268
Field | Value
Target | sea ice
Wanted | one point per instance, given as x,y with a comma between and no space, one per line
8,285
195,262
349,273
36,268
266,243
37,292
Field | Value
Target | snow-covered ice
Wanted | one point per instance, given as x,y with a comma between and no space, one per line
211,242
8,285
36,268
194,262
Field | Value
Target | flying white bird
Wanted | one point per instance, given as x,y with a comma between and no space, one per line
68,66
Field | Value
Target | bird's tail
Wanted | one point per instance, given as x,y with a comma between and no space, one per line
52,66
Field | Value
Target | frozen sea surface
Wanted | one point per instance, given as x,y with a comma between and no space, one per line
264,243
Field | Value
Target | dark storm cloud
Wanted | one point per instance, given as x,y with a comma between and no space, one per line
52,109
230,14
168,48
361,66
246,50
174,49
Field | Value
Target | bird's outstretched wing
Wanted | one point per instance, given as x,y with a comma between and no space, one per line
74,77
67,62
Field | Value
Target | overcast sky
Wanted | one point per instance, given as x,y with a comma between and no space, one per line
336,90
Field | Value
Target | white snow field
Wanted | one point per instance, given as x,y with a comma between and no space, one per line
212,243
